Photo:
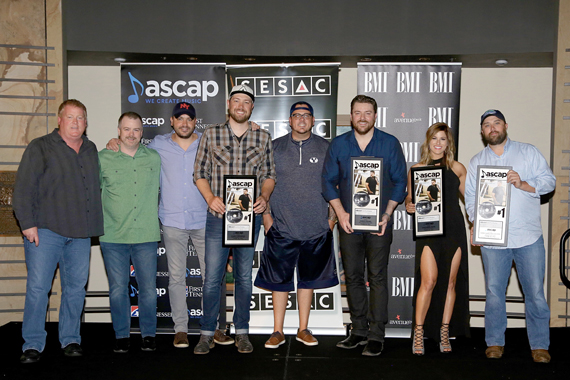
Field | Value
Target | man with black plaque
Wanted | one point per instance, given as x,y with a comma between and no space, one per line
371,183
433,191
530,178
368,322
232,148
57,201
300,236
244,200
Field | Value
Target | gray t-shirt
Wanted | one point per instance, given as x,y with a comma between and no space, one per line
298,208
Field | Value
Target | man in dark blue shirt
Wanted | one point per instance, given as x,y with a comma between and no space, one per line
368,322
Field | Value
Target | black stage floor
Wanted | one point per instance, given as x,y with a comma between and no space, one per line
291,361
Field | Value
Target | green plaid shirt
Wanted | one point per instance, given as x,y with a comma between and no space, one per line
221,153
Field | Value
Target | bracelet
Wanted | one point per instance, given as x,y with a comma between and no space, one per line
389,216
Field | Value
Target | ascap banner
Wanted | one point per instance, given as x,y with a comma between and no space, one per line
410,98
152,90
277,87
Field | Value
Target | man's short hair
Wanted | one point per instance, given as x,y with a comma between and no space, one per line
73,103
130,115
363,99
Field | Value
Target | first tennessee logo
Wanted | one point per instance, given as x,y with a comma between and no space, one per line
178,88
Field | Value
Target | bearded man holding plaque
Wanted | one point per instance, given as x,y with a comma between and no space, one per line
530,178
232,148
368,318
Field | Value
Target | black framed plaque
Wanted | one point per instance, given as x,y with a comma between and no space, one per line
427,184
492,202
239,219
366,193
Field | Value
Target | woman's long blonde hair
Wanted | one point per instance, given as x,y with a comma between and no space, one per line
448,155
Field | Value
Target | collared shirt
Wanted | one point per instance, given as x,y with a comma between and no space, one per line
337,171
524,212
58,189
221,153
181,204
129,192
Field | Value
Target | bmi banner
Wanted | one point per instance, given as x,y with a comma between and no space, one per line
152,90
276,88
410,98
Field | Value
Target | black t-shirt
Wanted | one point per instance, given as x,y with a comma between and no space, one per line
433,191
244,198
372,182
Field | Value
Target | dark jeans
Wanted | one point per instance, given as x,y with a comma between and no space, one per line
357,251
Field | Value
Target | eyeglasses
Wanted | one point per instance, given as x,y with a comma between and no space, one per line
301,115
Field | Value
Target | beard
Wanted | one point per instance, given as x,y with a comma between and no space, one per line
239,118
497,139
362,129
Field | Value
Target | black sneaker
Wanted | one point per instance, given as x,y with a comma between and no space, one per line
352,341
73,350
122,345
148,343
373,348
30,356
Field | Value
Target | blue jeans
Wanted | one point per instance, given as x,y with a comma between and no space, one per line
72,255
216,259
117,259
530,265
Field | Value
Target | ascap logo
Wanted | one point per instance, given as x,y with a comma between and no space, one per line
134,292
199,91
366,165
288,85
193,272
160,251
160,292
428,175
240,184
485,174
195,313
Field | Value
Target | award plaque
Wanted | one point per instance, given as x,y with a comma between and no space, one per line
427,184
366,193
492,200
239,220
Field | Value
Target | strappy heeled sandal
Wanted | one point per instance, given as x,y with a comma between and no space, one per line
418,341
444,344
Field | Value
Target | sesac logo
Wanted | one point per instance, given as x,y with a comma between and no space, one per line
134,311
288,86
200,91
134,292
402,286
132,271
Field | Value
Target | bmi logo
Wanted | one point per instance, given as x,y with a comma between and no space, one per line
313,85
402,286
134,311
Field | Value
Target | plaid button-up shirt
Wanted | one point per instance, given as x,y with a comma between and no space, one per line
221,153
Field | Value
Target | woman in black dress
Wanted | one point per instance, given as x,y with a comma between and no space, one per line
441,294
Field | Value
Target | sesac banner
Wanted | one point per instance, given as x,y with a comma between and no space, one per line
276,88
410,98
152,90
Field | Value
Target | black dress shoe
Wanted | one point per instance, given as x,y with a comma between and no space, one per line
30,356
148,343
122,345
73,350
373,348
352,341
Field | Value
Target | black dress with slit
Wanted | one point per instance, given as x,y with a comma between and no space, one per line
444,249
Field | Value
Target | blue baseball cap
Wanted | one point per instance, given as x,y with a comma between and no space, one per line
495,113
301,106
184,108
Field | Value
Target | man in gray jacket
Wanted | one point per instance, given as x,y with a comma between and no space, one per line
297,231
